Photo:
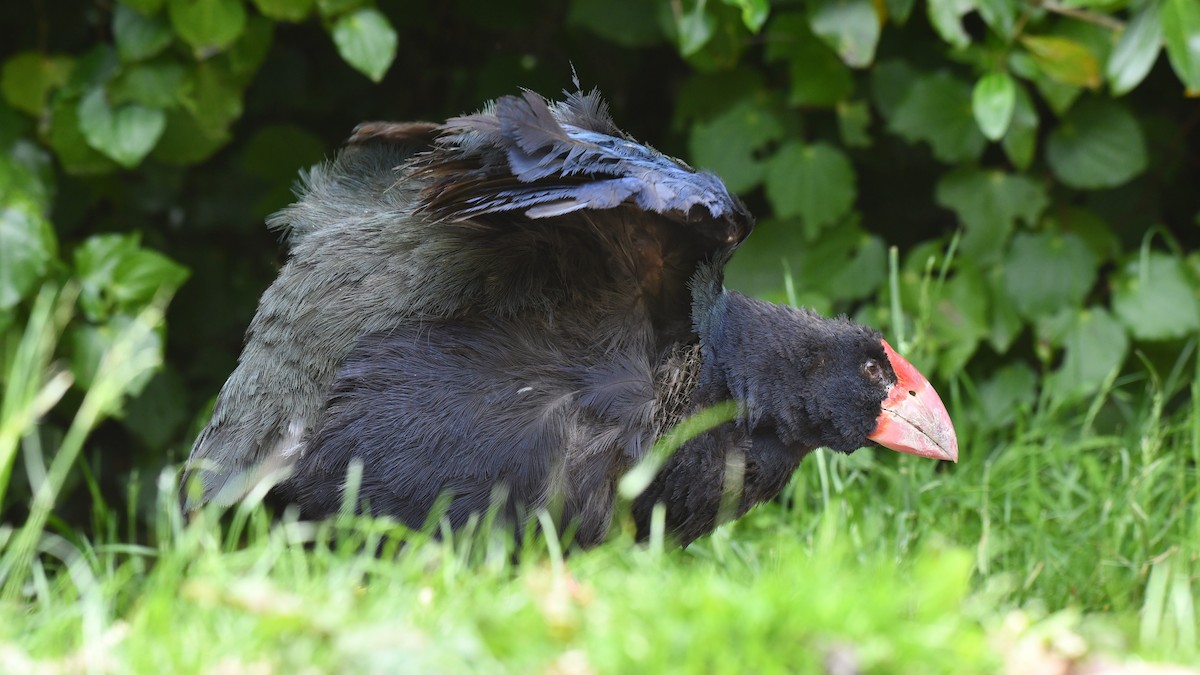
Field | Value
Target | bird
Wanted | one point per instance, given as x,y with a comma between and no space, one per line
504,312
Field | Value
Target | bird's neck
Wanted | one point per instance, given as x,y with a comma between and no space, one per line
754,353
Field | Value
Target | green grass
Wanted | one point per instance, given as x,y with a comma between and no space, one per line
1065,535
1057,536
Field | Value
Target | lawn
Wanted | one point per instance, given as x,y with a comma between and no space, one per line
1060,538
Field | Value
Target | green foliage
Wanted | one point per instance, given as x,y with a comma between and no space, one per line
989,205
126,133
1135,51
938,110
849,27
209,26
1097,145
1181,29
1156,299
993,101
731,143
815,182
366,40
29,248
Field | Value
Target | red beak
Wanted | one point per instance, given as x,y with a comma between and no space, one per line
914,420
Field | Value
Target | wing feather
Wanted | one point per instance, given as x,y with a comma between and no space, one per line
526,156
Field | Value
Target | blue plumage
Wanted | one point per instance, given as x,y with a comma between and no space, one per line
524,157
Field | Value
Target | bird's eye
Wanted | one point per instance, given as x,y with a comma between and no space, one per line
872,369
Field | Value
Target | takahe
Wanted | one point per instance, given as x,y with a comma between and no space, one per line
507,310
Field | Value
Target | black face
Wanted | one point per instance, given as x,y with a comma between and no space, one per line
811,381
841,385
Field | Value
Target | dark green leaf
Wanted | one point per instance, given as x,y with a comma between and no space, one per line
759,266
844,263
213,98
332,8
850,27
1136,50
1156,300
1097,39
937,110
754,12
246,55
141,275
818,77
705,95
629,23
285,10
899,10
139,36
1109,5
96,261
185,141
728,144
693,29
723,49
1004,323
94,69
29,247
1020,142
157,84
118,276
27,172
1098,145
862,272
815,182
156,414
1012,390
1095,345
993,102
207,25
1057,95
70,146
1064,60
891,82
821,81
1000,16
90,343
29,77
1045,272
988,204
959,320
853,120
367,41
1181,32
1060,97
946,17
1093,230
126,133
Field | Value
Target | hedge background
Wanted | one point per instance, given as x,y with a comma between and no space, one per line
1035,164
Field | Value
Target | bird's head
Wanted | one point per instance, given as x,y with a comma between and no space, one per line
819,382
